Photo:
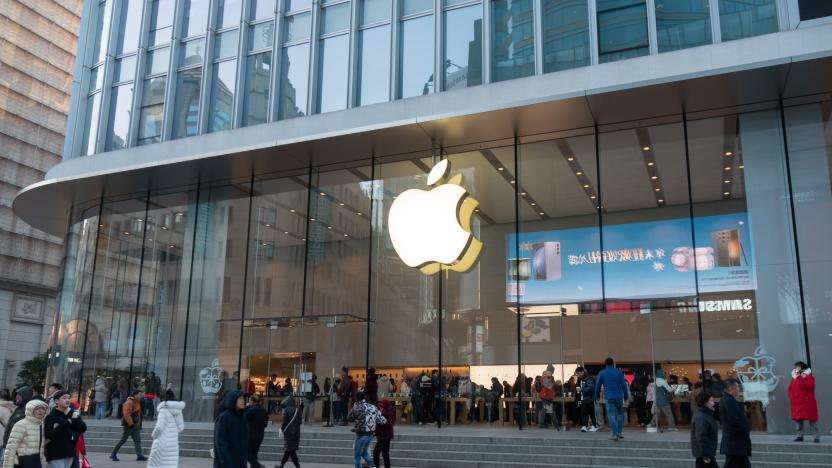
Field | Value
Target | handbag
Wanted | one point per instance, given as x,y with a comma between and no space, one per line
280,432
85,463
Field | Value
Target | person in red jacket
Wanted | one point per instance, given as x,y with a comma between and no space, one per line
384,433
804,406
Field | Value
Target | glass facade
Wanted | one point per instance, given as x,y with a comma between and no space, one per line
677,245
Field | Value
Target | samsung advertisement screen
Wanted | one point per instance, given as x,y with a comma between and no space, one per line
653,259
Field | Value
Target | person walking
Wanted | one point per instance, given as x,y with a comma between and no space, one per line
100,398
366,416
257,419
704,432
639,391
62,427
804,406
231,433
164,453
24,445
384,434
736,432
290,427
663,395
616,393
131,423
7,407
586,400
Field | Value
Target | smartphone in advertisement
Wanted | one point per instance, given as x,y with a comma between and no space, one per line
519,269
726,244
546,261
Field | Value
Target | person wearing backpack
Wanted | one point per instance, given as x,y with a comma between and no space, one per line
62,428
664,395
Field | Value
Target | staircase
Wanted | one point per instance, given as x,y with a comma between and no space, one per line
487,448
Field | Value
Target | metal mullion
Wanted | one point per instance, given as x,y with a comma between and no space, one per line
459,6
652,33
242,62
138,76
367,26
207,70
351,63
395,30
537,17
276,65
716,29
594,54
438,41
79,88
173,75
314,51
107,84
486,41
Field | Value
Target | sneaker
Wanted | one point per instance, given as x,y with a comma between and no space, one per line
614,437
672,429
798,439
619,436
583,428
593,429
113,457
817,440
141,458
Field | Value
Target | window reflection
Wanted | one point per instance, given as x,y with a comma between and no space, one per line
463,47
222,96
374,65
258,74
332,85
129,26
747,18
186,114
294,81
152,111
91,124
565,34
622,29
161,22
195,17
416,60
512,39
120,112
682,24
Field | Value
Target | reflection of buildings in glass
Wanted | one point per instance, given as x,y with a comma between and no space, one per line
513,39
288,98
459,76
565,36
223,102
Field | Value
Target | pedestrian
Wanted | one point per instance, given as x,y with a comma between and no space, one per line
639,391
24,447
290,427
384,434
22,398
365,416
62,427
704,432
257,419
115,399
7,407
371,386
326,410
663,396
231,433
586,400
100,398
164,453
736,433
310,397
546,393
131,423
804,406
616,393
50,393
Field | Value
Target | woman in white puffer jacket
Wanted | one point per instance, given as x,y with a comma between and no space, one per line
164,453
26,439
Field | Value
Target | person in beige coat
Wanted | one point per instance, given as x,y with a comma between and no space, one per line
25,445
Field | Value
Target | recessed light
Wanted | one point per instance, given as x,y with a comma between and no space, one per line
729,153
579,173
303,239
311,219
727,168
658,189
150,240
661,200
126,233
542,213
726,193
291,211
651,163
346,235
499,168
654,177
286,232
533,204
340,204
570,158
586,185
477,210
171,246
511,182
359,213
323,193
329,227
742,166
268,225
164,228
265,244
646,148
726,181
523,193
592,197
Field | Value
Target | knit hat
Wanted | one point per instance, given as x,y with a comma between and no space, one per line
57,395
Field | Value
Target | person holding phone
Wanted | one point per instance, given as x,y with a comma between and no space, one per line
62,428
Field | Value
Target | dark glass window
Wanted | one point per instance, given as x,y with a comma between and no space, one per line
622,30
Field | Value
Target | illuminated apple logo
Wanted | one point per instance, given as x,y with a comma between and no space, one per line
432,228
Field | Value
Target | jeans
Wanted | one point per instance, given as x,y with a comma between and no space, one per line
134,433
62,463
615,410
362,443
813,426
100,410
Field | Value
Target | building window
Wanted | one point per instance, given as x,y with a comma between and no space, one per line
813,9
161,22
91,124
684,24
261,9
622,29
152,110
747,18
186,113
512,39
373,82
222,96
416,51
195,17
462,46
565,34
128,38
101,31
258,73
334,57
120,111
294,81
228,13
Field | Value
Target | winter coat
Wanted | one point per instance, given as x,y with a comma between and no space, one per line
547,387
131,412
257,419
6,410
736,433
164,453
615,386
100,391
19,413
231,435
385,431
384,387
292,418
371,388
365,415
804,406
704,434
26,437
587,388
662,392
63,433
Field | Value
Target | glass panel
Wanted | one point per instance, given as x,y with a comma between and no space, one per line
749,296
129,26
332,86
373,11
222,96
262,9
813,9
226,44
261,36
125,69
195,17
192,52
186,113
258,74
228,13
161,22
565,35
158,61
416,62
410,7
512,39
683,24
335,18
374,65
96,78
102,31
150,119
809,131
91,124
463,47
295,5
120,111
622,30
294,81
747,18
298,27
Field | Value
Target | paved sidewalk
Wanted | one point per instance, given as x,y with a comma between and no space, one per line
102,460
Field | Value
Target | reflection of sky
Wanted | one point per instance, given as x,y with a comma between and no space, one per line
375,65
417,56
121,116
334,62
295,87
459,33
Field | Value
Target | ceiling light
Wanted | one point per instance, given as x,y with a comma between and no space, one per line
661,200
728,153
311,219
658,189
499,168
171,246
726,181
265,244
323,193
586,185
570,158
329,227
477,210
742,166
542,213
303,239
533,203
268,225
511,181
291,211
727,168
346,235
164,228
340,204
359,213
126,233
579,173
646,148
150,240
592,197
726,193
523,193
654,177
286,232
651,163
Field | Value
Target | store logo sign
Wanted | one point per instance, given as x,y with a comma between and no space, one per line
726,305
432,228
209,378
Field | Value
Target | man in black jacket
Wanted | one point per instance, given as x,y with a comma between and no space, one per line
736,433
257,419
24,394
231,433
62,427
704,432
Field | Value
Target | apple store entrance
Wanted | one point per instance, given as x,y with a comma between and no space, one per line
667,247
